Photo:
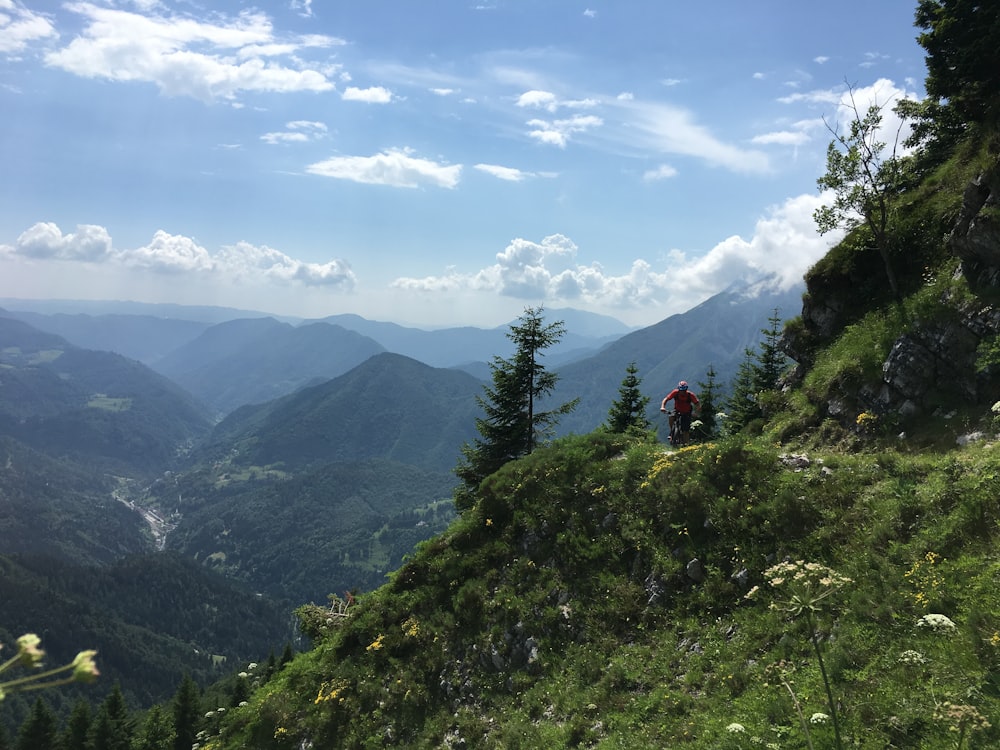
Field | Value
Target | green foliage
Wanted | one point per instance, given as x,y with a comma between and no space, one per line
864,179
513,424
562,605
708,393
962,39
629,409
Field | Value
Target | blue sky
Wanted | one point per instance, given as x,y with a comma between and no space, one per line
431,164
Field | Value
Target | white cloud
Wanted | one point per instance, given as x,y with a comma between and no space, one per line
372,95
244,260
304,7
443,91
186,57
781,138
784,245
169,253
821,59
20,26
558,132
588,13
663,129
396,168
538,99
177,255
298,131
45,240
662,172
509,174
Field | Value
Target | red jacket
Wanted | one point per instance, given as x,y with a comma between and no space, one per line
684,401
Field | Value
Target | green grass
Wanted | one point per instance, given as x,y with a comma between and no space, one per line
528,623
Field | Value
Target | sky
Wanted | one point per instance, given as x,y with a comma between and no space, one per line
430,164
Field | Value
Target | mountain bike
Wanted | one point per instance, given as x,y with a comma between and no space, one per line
675,435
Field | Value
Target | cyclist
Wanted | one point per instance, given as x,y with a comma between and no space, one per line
684,403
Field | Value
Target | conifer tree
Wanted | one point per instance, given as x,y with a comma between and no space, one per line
38,732
186,710
707,394
76,733
156,732
513,424
741,406
771,361
113,727
629,410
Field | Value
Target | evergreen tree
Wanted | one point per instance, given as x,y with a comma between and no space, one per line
76,733
771,361
113,727
630,408
513,424
707,394
39,731
186,710
4,738
741,406
157,731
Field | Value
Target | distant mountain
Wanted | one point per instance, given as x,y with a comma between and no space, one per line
715,333
462,346
389,407
88,406
145,338
327,488
250,361
205,314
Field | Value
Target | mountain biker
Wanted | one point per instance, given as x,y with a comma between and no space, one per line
684,403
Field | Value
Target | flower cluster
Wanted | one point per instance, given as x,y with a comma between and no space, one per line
411,628
806,585
937,623
330,691
925,578
376,644
961,718
912,658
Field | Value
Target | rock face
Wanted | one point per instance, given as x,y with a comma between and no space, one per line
934,355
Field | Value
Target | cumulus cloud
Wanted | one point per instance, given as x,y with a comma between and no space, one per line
784,245
245,260
183,56
45,240
177,255
20,26
169,253
395,167
372,95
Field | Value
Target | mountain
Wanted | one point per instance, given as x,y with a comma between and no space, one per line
389,406
145,338
326,489
256,360
89,406
461,346
715,333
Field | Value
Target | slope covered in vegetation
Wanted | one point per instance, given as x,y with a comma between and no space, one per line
598,596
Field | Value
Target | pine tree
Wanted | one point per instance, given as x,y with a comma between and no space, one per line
741,406
771,361
513,425
186,710
38,732
707,394
113,727
77,730
157,731
630,408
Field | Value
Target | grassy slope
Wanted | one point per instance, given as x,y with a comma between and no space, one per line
529,623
